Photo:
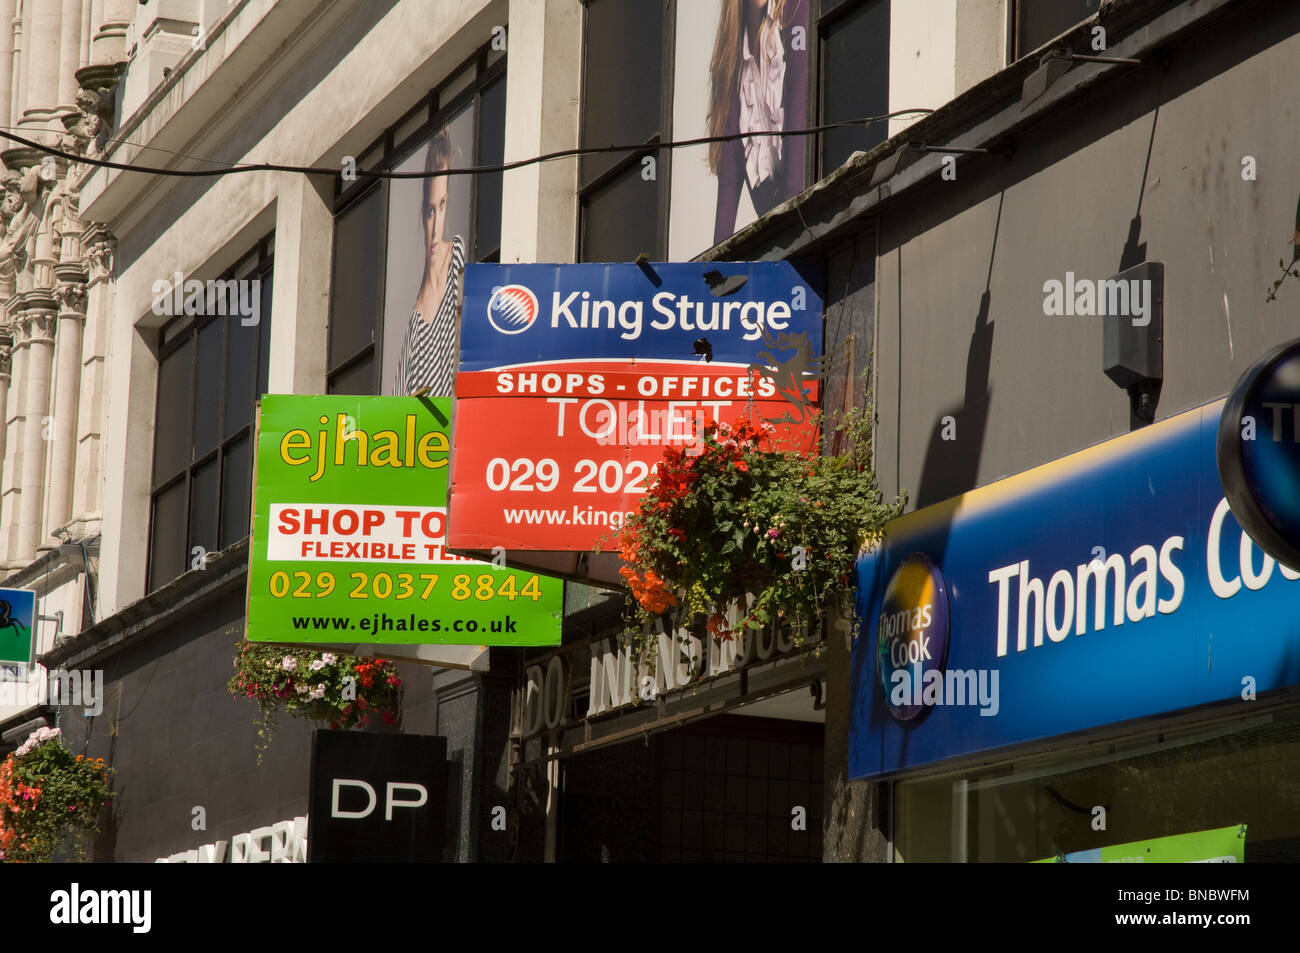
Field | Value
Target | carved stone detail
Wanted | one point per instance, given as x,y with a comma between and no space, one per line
71,298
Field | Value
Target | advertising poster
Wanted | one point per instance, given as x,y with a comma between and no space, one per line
1058,600
741,66
17,623
1226,845
349,530
428,238
575,378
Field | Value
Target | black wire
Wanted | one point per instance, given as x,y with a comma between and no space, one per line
471,170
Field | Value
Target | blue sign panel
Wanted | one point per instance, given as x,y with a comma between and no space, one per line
1109,585
525,314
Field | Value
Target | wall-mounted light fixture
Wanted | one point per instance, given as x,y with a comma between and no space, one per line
1056,63
1133,331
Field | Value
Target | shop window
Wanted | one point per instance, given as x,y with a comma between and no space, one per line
212,368
400,245
1162,794
1035,23
854,77
619,194
357,294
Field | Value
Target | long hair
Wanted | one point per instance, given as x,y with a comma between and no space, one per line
439,158
725,63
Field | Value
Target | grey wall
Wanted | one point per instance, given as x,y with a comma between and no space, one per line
1149,167
178,740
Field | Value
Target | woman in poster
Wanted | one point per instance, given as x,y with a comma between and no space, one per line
428,361
758,82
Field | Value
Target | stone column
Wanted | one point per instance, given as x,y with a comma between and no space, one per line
304,229
69,52
71,298
87,490
37,321
109,43
14,26
42,38
542,89
6,345
15,411
6,61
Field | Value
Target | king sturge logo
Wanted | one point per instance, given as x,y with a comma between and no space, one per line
512,309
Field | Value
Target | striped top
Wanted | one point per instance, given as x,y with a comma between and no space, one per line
429,351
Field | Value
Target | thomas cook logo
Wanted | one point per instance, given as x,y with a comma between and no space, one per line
512,308
912,634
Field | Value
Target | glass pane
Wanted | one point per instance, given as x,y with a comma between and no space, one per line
492,150
171,448
167,545
357,244
207,387
855,81
236,490
620,220
239,376
203,510
1042,20
357,379
622,78
1157,791
456,85
264,336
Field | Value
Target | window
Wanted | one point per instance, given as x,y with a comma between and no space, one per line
854,77
1037,22
386,232
619,195
212,368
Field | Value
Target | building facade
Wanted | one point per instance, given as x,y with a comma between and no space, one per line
958,172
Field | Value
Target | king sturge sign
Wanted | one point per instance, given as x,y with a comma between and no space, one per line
575,378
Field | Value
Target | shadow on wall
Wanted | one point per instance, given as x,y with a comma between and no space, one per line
952,457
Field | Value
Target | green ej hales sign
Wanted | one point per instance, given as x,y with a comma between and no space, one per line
349,527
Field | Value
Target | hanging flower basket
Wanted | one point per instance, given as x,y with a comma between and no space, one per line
50,800
751,535
338,691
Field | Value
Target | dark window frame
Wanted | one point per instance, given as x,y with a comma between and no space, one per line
824,20
386,152
179,332
1014,38
654,145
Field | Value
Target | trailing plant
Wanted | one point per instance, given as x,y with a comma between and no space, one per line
339,691
50,800
751,534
